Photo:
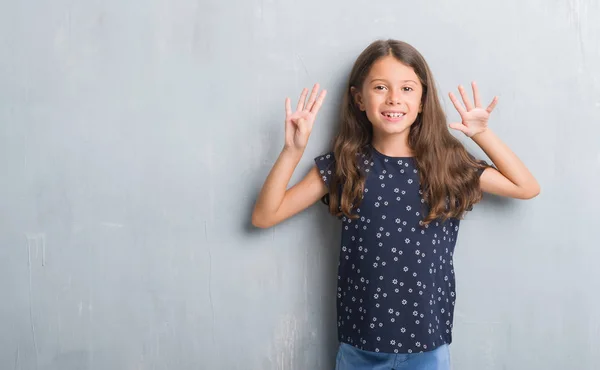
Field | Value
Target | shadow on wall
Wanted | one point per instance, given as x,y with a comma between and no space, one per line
326,230
329,231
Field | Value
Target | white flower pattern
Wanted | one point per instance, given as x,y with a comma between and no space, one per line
387,303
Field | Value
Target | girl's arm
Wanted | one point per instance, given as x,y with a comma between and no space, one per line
512,178
275,203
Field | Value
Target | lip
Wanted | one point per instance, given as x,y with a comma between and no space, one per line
392,119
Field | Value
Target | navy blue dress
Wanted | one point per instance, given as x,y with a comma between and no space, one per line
395,289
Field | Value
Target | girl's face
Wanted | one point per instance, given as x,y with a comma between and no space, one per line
390,96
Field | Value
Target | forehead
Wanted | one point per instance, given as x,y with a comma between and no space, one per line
390,68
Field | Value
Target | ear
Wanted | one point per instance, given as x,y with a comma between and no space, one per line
358,99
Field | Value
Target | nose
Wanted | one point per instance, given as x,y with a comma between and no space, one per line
394,98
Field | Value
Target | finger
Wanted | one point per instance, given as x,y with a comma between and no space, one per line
459,127
476,95
492,105
319,102
457,105
302,100
312,98
288,107
465,98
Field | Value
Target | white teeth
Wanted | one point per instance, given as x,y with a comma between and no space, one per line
394,115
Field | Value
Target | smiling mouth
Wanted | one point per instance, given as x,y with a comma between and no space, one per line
393,114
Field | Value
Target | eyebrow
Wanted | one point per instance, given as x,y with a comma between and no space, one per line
384,80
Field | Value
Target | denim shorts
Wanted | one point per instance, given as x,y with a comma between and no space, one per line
352,358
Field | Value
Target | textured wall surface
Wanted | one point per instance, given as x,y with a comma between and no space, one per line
135,136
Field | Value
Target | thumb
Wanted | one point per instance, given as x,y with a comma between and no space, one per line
459,127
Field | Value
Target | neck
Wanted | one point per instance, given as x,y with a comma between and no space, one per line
395,145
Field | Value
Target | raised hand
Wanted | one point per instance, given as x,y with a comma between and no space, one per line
474,118
299,124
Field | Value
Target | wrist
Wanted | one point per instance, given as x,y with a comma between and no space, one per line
292,152
481,134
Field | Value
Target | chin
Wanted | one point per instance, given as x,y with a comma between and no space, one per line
392,128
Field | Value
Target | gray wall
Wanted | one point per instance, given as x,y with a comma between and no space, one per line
135,136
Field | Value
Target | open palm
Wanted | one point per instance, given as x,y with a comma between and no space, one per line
474,117
299,124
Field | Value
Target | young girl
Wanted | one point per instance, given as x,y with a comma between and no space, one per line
400,183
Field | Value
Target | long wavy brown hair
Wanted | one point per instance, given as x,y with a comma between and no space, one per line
448,173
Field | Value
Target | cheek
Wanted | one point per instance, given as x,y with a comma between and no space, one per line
415,105
372,108
417,101
372,103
